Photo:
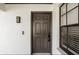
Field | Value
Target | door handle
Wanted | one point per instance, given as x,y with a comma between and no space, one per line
49,37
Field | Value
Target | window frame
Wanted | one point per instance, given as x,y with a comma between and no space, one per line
67,25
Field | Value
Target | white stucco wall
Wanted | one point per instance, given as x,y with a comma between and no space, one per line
11,39
55,27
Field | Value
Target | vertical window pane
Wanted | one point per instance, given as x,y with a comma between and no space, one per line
63,20
64,37
63,9
71,6
72,16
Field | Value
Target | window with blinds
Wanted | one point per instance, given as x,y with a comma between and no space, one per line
69,28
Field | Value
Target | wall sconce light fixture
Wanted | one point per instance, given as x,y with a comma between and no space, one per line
18,19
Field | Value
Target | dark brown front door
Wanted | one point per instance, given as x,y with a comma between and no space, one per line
41,29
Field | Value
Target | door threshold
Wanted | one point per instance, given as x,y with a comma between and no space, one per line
41,54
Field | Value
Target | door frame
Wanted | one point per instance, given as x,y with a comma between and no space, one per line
32,29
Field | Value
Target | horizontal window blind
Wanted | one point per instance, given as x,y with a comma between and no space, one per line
73,38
